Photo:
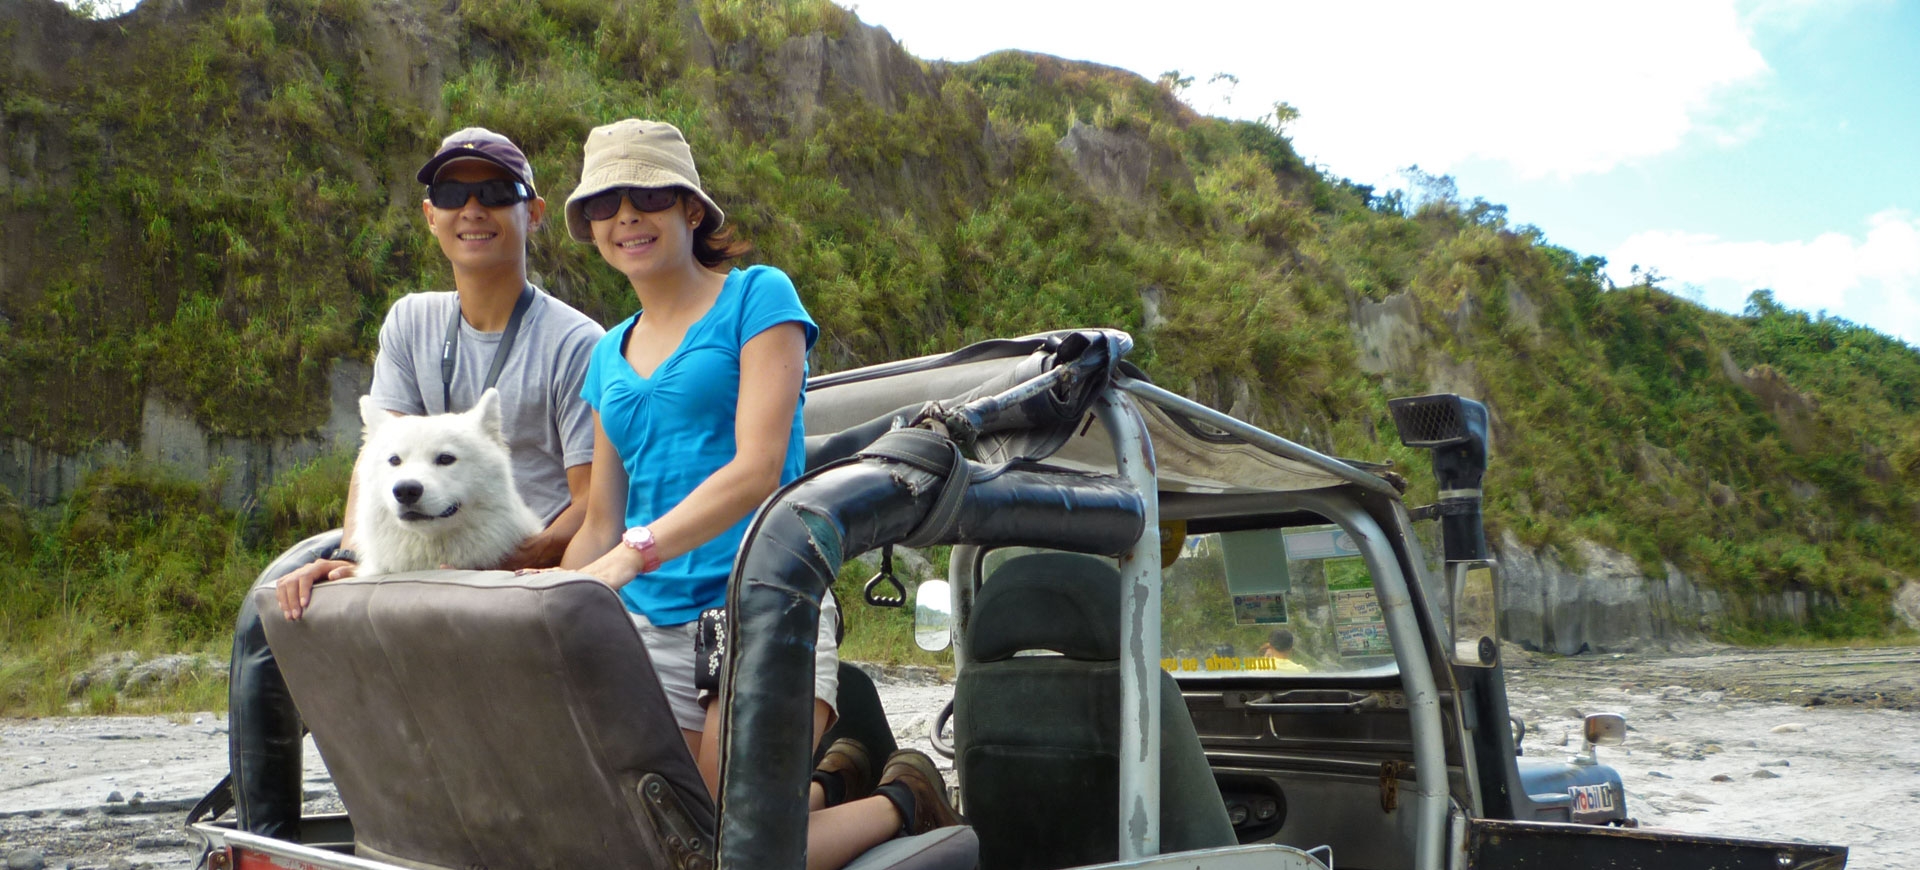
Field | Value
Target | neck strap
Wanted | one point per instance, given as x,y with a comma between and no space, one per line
450,349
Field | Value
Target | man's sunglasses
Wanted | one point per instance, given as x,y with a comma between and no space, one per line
602,206
492,193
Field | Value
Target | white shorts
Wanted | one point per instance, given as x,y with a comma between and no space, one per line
671,649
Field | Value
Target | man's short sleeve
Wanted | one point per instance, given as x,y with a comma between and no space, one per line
771,300
396,385
593,383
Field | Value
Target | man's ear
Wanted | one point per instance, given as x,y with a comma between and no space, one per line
536,213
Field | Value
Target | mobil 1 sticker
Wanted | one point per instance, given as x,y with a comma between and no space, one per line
1593,799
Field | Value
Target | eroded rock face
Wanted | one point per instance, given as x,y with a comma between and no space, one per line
1906,603
1610,605
1796,413
1112,163
1388,335
170,437
1122,164
1546,605
865,60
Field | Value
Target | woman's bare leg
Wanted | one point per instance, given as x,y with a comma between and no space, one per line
837,835
705,746
706,753
817,796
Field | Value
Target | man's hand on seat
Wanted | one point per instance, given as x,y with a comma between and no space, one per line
543,550
295,590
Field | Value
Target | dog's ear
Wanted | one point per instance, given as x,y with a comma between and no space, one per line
372,415
488,410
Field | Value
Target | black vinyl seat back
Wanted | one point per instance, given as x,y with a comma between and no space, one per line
1036,737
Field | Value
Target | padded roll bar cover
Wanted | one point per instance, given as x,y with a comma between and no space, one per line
478,719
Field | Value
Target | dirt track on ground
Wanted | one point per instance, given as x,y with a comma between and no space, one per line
1814,745
1882,677
1819,745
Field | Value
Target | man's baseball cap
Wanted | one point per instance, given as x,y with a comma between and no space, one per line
479,143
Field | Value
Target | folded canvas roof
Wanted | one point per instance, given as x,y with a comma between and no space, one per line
1193,456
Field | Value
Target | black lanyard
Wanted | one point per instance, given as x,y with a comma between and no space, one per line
449,351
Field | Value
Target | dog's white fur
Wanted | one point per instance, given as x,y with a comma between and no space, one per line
436,491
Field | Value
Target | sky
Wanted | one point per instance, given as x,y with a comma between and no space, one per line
1727,145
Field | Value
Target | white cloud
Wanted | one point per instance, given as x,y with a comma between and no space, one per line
1872,278
1548,88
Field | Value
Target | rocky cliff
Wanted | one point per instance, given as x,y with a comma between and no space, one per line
207,206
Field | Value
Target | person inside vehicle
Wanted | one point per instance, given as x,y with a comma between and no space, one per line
481,206
1278,650
697,420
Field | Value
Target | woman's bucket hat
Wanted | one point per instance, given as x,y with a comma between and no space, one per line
636,153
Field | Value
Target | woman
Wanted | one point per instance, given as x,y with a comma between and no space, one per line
696,404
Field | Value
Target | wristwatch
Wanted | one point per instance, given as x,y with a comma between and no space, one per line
641,538
341,554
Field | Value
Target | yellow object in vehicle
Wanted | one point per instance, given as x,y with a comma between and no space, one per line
1173,537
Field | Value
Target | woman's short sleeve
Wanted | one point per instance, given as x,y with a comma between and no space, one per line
769,300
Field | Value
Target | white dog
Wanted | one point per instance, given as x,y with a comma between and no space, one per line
436,491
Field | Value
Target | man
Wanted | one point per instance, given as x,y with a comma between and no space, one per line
438,353
1278,650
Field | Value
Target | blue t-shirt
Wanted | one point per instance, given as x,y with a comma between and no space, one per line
675,429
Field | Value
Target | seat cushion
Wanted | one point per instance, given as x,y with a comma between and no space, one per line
478,719
953,848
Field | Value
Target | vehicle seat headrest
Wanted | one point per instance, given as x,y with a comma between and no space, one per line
1064,602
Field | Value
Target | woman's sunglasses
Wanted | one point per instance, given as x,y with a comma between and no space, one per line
492,193
602,206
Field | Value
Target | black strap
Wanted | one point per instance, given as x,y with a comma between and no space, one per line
935,454
215,804
449,351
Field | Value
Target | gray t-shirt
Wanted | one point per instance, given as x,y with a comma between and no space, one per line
549,428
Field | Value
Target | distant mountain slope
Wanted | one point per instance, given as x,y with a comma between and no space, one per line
213,201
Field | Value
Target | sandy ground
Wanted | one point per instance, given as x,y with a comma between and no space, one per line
1821,746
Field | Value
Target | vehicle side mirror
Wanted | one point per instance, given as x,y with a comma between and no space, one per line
1473,613
1602,729
933,615
1606,729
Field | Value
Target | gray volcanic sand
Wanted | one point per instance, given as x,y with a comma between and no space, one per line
1825,765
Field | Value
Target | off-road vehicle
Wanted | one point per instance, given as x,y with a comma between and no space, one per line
1178,641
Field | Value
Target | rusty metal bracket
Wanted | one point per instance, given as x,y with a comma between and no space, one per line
1390,772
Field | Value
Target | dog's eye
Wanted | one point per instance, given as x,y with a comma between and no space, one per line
443,459
394,459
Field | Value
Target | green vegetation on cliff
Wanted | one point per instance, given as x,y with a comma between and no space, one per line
213,200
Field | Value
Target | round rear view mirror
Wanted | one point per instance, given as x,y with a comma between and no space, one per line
933,615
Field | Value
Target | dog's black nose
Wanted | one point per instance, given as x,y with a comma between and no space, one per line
407,491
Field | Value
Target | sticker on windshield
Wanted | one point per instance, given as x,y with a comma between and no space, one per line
1260,609
1320,542
1359,627
1363,640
